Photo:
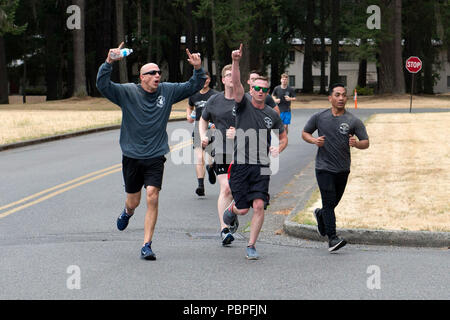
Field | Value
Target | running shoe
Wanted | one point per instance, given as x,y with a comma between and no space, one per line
227,237
122,220
336,243
147,253
251,253
320,223
211,173
230,218
200,191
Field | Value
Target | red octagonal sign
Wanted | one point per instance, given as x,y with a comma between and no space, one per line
413,64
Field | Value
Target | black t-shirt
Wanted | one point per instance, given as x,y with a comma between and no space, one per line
198,100
279,92
253,128
221,111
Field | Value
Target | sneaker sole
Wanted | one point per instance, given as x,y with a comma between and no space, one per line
337,246
227,240
153,257
252,258
149,258
199,193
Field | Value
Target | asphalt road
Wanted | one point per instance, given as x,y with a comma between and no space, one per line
58,240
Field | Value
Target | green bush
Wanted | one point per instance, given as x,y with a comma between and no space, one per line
364,91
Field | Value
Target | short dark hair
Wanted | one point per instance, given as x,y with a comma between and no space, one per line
335,85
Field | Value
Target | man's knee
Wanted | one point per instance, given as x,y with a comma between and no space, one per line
133,200
152,195
258,206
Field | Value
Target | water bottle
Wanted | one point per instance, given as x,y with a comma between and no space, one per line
193,114
123,53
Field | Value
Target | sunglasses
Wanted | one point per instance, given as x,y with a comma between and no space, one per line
153,72
257,88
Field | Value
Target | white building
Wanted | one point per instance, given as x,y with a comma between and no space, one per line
348,70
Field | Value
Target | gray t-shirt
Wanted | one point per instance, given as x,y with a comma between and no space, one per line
279,92
253,128
334,156
221,111
145,115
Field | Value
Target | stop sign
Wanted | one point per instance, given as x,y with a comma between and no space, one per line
413,64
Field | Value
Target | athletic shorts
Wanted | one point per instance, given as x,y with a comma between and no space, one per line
286,117
221,166
247,184
138,173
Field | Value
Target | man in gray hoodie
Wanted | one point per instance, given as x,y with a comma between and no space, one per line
146,110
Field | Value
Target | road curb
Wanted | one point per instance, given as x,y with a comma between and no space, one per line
373,237
25,143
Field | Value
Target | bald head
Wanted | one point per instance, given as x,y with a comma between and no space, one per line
150,80
149,67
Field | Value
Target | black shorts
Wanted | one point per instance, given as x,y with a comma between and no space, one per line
221,166
247,184
142,172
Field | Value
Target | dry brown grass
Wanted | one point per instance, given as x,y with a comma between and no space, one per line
402,182
30,121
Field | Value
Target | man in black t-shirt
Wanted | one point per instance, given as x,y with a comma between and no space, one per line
283,95
250,172
193,113
220,110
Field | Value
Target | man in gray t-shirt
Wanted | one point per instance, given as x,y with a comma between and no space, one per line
220,110
337,129
254,124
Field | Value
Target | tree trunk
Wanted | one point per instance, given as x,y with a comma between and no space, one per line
79,55
3,74
190,43
391,78
399,85
362,73
334,60
308,58
121,37
323,50
216,52
150,38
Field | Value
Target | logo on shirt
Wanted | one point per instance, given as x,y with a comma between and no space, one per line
160,101
268,122
233,112
344,128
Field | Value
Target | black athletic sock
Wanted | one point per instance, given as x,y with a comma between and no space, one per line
201,182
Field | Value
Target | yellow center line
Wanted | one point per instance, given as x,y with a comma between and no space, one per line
66,186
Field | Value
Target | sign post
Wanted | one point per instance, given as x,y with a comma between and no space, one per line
413,65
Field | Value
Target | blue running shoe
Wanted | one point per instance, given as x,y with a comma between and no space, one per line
147,253
230,218
251,253
122,220
227,237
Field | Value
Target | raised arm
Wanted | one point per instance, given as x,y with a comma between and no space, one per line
238,88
